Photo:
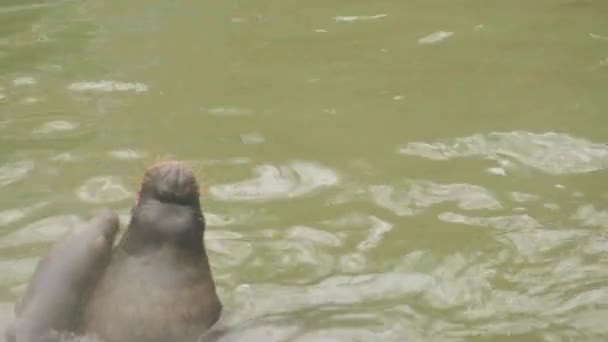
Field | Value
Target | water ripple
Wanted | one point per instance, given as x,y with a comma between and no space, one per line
14,172
45,130
413,196
228,111
435,37
10,216
276,182
351,18
46,230
335,290
553,153
371,229
128,154
17,270
506,223
103,189
107,86
588,216
307,249
25,80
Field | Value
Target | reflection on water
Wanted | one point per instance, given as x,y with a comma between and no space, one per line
380,171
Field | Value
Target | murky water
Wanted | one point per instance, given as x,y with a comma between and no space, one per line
375,171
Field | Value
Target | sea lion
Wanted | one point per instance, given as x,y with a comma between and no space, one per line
62,281
158,286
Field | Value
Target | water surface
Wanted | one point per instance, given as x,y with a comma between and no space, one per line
373,171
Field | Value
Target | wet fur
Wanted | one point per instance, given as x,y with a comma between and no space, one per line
159,285
63,280
159,293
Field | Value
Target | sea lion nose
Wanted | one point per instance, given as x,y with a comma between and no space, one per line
171,180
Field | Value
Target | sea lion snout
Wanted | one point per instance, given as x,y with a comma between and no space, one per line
167,210
170,181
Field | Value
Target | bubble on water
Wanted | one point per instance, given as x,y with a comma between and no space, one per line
103,189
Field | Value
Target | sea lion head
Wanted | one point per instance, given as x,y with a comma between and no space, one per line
167,210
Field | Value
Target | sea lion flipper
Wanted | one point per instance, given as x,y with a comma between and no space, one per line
64,277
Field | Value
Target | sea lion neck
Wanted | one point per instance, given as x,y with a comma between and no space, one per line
155,224
167,212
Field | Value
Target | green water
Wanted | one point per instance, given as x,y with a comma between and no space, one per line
384,170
